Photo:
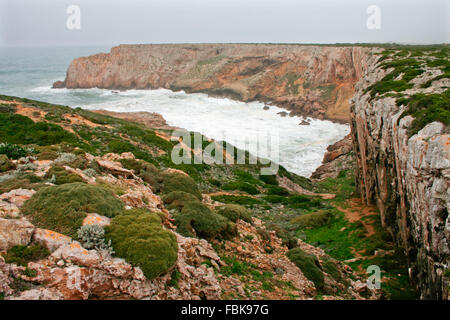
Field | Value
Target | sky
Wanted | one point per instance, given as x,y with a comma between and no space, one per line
43,23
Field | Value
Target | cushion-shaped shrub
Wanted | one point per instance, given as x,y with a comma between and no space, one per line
196,218
234,212
63,208
243,186
269,179
147,171
21,255
275,190
308,264
312,220
179,182
139,237
177,199
59,176
287,238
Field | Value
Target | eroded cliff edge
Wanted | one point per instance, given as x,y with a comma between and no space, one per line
403,163
314,81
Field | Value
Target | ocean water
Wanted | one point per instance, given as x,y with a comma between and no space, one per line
30,73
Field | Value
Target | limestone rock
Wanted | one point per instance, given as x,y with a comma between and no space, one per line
94,218
17,197
14,232
407,177
50,239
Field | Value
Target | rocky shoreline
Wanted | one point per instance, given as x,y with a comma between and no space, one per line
312,81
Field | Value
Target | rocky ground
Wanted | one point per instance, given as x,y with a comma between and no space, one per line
252,264
72,272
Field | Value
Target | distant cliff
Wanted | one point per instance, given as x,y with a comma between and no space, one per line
314,81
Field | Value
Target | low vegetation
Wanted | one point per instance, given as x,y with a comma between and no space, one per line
21,255
309,264
196,219
139,238
407,64
63,208
234,212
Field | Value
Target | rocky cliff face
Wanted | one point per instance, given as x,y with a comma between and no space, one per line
308,80
407,177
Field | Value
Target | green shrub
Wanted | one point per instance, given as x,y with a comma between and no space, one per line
197,219
5,163
313,219
47,155
177,199
12,151
239,185
19,183
138,237
15,128
269,179
59,176
21,255
309,265
331,268
275,190
63,208
233,212
426,108
179,182
7,108
287,238
242,200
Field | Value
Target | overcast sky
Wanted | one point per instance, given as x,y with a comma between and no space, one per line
110,22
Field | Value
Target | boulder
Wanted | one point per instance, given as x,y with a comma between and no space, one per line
14,232
8,210
39,294
94,218
75,253
17,196
59,84
50,239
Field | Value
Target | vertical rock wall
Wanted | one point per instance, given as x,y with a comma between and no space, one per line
408,179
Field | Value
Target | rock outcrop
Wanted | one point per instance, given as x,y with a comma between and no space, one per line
338,157
314,81
407,177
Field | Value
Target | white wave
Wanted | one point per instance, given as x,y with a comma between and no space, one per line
301,148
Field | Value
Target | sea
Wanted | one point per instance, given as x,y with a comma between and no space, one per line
30,73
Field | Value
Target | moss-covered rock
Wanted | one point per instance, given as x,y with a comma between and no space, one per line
139,237
233,212
309,265
63,208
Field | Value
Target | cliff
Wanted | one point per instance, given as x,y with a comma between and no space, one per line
314,81
401,139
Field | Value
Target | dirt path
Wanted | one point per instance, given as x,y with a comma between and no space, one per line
356,211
